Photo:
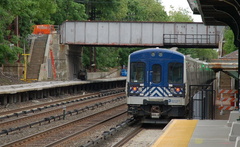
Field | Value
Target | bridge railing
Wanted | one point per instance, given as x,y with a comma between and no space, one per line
191,39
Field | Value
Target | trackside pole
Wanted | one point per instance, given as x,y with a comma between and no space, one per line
64,112
25,67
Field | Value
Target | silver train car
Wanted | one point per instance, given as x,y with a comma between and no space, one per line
158,81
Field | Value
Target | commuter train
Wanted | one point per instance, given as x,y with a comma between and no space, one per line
158,80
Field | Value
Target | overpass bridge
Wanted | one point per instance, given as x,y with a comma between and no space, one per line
65,60
141,34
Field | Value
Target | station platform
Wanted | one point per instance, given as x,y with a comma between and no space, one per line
199,133
10,94
11,89
195,133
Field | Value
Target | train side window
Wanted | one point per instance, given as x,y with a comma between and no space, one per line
156,74
137,72
175,73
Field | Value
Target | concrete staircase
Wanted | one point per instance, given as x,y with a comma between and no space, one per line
37,57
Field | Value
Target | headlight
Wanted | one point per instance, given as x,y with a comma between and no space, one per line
140,89
178,89
134,88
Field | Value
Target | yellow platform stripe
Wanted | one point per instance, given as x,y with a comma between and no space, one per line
177,134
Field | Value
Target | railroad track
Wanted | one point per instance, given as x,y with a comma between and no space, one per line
128,137
38,107
58,135
35,117
11,113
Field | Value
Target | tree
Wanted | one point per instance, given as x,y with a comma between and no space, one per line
8,52
124,53
145,10
118,10
228,45
18,17
181,15
68,10
106,10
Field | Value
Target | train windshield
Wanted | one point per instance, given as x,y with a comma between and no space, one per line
156,76
137,72
175,73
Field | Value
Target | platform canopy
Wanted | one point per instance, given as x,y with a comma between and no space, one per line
219,12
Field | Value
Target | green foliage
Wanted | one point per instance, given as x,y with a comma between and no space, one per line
202,54
126,10
86,57
181,15
31,12
23,14
228,45
145,10
8,53
27,13
107,57
124,53
68,10
106,10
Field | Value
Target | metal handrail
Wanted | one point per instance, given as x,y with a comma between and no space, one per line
190,38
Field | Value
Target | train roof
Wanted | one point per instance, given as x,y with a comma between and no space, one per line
144,53
150,50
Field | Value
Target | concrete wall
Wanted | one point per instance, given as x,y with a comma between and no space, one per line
15,70
67,62
59,57
97,75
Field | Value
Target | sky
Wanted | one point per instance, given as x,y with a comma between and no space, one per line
183,4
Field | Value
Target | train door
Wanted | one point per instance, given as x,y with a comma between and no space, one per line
155,79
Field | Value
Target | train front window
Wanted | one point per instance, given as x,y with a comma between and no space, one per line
156,73
175,73
137,72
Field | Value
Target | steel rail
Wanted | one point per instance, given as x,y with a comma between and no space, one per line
52,112
35,107
60,142
128,137
42,134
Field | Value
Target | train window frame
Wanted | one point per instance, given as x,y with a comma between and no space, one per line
156,76
179,79
138,73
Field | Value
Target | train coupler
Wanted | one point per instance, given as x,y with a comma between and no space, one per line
155,112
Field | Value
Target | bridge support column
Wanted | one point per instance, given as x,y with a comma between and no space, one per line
32,95
4,100
75,60
10,98
25,96
19,97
